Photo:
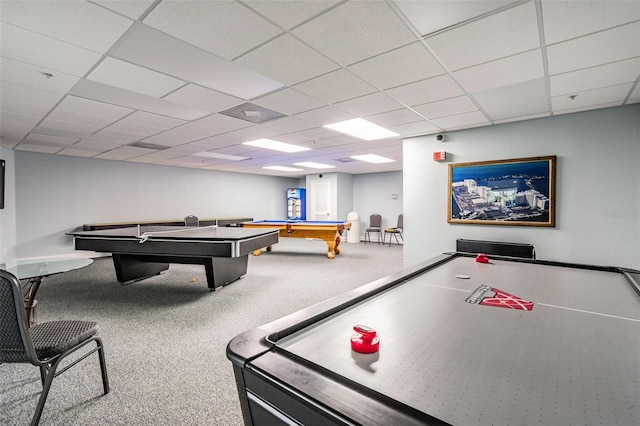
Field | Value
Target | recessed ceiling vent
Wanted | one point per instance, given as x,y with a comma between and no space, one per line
252,113
148,145
345,160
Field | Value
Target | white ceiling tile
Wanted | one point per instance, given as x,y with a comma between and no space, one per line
288,101
417,128
369,104
128,127
201,97
26,46
20,119
429,90
33,76
414,60
219,123
288,14
152,120
335,87
613,95
76,153
81,24
467,119
502,72
431,16
117,73
287,125
373,28
504,34
120,97
324,115
596,49
124,153
50,140
593,78
71,122
105,111
117,137
564,20
288,60
395,118
518,100
208,24
452,106
152,49
131,8
37,148
526,117
26,100
93,146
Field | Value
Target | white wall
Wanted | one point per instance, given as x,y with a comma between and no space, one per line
8,214
55,194
373,193
597,186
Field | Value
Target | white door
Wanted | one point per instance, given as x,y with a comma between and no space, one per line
321,200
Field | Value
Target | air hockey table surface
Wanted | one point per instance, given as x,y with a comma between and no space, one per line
465,343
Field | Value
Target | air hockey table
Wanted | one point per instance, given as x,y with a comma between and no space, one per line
512,341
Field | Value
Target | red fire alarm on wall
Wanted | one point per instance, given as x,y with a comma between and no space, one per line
439,156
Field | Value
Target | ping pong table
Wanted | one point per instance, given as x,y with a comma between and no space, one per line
141,252
512,341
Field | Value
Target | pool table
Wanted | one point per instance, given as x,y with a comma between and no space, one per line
510,341
329,231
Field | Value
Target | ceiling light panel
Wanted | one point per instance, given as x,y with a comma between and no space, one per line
283,168
275,145
314,165
361,128
372,158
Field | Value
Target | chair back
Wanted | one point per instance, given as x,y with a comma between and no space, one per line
191,220
400,224
15,339
375,221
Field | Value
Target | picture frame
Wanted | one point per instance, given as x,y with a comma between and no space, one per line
511,192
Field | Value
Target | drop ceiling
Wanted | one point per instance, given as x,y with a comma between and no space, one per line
147,81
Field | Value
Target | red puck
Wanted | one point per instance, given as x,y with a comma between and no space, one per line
365,340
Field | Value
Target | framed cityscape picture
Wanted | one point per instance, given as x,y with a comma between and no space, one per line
519,191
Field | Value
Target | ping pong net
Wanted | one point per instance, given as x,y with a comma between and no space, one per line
145,236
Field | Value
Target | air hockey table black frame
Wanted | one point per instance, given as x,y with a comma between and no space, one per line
294,391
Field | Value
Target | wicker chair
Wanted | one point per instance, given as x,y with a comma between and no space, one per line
44,345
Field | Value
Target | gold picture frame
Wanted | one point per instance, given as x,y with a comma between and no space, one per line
512,192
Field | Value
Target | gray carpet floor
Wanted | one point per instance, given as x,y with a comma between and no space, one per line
166,336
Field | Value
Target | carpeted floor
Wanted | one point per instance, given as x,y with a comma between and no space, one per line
166,336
